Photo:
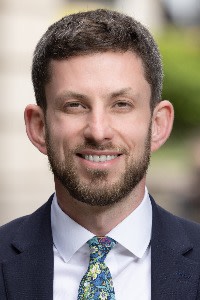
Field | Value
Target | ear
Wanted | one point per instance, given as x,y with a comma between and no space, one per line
162,123
35,126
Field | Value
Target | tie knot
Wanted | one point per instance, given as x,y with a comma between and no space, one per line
99,247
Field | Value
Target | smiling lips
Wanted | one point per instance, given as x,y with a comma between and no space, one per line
98,158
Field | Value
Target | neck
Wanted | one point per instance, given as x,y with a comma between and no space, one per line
99,220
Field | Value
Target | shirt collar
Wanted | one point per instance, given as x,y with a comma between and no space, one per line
64,229
134,232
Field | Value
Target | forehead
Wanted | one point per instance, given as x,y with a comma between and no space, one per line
100,72
97,58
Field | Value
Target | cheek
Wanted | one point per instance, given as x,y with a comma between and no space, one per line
134,136
62,127
65,136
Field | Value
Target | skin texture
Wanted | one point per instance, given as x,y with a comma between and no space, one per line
99,105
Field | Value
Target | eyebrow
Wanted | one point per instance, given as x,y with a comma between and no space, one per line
70,94
122,92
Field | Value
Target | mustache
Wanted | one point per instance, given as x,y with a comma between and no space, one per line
101,147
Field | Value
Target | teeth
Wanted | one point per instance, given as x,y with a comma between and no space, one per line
99,158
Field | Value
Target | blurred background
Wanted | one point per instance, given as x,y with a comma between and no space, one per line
174,175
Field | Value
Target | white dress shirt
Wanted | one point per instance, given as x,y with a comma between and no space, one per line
129,261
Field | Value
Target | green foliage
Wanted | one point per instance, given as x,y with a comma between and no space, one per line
181,58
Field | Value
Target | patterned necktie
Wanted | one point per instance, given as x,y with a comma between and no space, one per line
97,282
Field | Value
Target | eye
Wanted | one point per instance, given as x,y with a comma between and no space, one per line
74,107
123,105
74,104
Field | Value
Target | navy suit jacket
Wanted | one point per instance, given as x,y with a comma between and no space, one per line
26,257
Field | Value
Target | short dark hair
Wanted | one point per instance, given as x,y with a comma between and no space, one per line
96,31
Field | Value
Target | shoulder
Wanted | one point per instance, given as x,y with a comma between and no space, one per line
188,225
25,230
9,229
8,233
191,228
168,219
174,230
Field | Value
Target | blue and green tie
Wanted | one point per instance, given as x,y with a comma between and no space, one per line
97,283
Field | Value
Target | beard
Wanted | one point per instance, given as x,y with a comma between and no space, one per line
98,191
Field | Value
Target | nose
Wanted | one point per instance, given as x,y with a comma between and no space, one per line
98,126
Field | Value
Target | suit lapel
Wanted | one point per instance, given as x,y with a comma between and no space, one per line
29,275
174,275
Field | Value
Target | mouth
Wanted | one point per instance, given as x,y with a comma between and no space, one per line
98,158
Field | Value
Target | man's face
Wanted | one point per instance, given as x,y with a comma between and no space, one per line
98,125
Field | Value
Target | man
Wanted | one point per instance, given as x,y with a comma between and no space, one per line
97,78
